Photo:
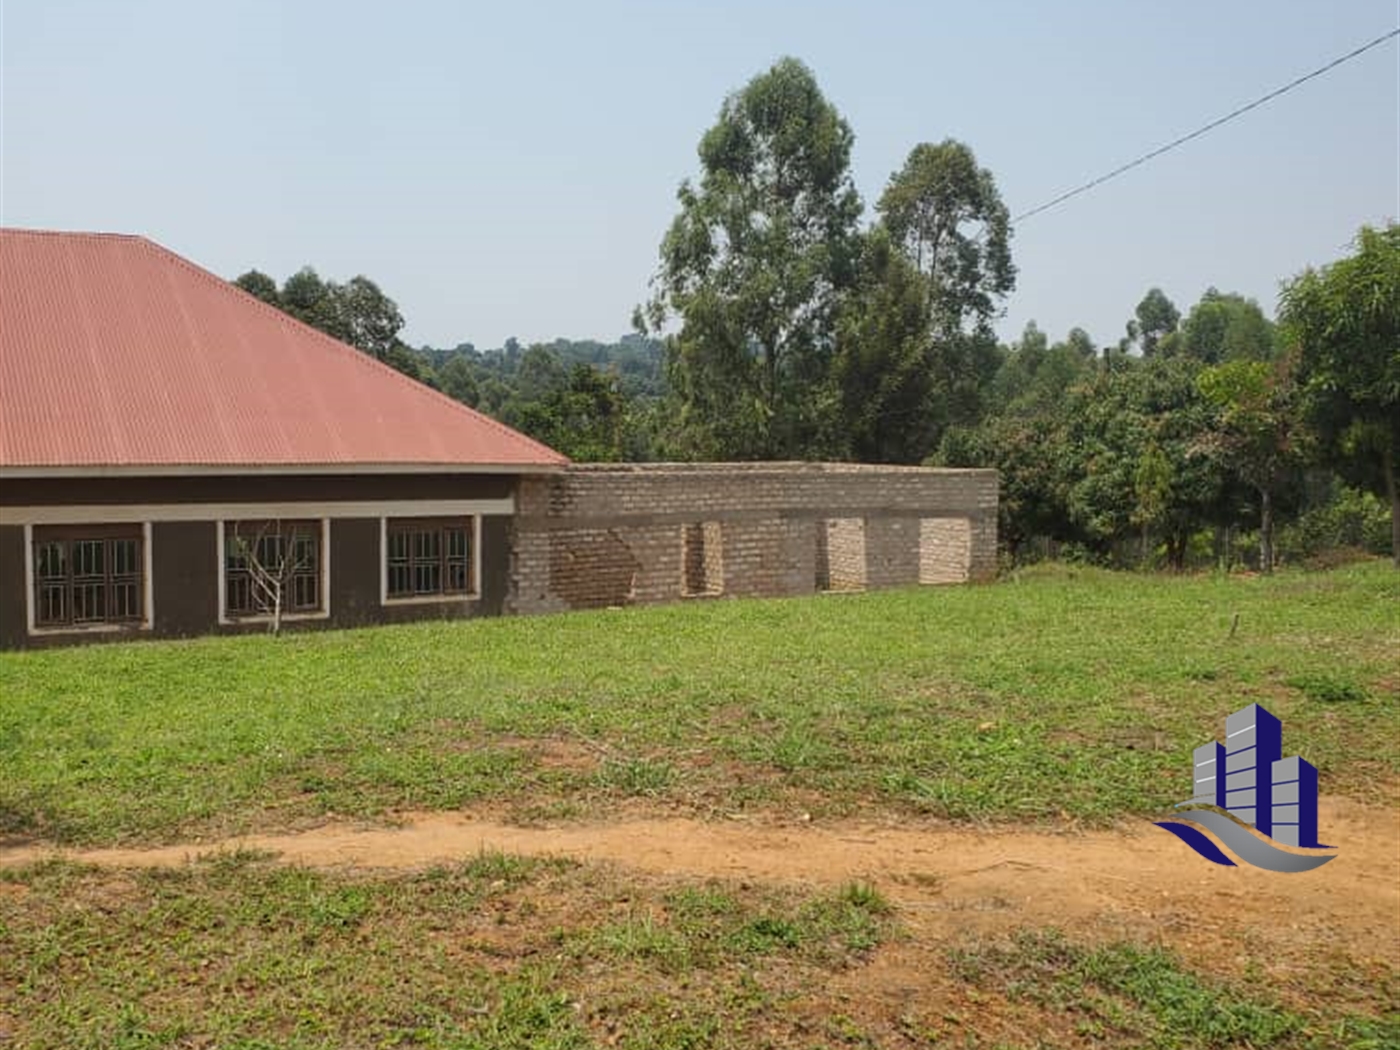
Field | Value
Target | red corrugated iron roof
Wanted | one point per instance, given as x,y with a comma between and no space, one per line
116,352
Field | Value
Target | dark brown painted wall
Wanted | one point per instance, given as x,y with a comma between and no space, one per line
184,580
185,564
12,618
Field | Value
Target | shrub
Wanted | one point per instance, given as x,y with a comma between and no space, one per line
1351,519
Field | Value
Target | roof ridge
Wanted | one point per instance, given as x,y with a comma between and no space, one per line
358,355
105,235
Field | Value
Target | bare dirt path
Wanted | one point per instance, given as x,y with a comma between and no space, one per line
1137,878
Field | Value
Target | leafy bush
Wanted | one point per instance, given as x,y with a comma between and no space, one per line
1351,519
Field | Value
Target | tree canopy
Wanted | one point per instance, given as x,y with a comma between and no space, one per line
946,214
754,266
356,312
1226,327
1344,320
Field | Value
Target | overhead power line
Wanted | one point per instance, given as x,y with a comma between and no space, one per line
1207,127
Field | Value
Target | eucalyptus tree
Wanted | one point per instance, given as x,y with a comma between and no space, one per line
754,268
947,216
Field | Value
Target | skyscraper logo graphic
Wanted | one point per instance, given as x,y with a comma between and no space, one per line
1248,778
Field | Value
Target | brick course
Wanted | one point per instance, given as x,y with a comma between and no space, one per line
611,534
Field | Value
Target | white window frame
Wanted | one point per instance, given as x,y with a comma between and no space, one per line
428,599
147,590
323,613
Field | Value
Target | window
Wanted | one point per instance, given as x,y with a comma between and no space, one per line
429,558
272,566
89,575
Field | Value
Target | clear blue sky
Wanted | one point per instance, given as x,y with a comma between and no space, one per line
509,169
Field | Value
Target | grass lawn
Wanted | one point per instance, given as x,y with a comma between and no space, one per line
504,953
1062,695
498,953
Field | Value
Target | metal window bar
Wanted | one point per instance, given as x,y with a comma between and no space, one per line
256,554
425,558
81,580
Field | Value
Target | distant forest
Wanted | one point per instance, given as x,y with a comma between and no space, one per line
784,325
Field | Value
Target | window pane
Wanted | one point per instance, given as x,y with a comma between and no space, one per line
306,592
126,604
125,559
239,594
305,551
457,576
456,543
427,544
427,578
234,553
88,557
426,557
53,604
89,602
84,576
270,551
259,554
52,560
398,546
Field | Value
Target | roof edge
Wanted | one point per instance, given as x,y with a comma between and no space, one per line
100,470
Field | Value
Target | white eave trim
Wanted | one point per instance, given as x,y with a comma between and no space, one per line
120,513
269,470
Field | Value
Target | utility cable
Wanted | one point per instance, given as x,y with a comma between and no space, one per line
1208,127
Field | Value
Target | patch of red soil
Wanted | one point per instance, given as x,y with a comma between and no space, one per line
948,882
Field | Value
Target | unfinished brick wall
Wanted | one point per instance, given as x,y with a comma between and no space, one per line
609,534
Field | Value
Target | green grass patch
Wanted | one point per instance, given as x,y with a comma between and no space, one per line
1131,995
1058,694
497,952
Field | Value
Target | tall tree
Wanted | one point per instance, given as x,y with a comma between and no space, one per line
1155,318
1082,343
540,374
370,319
947,215
1130,459
1259,433
755,265
1224,326
1345,321
883,370
584,417
459,381
1152,485
313,301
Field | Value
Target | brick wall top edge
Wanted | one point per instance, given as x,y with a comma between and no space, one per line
770,467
